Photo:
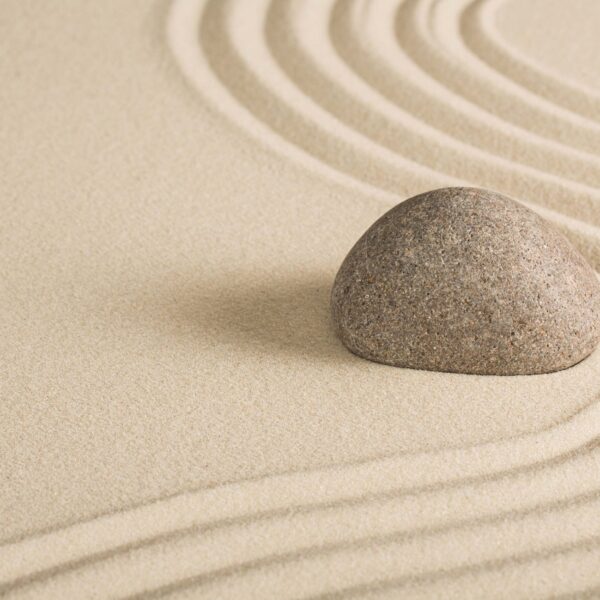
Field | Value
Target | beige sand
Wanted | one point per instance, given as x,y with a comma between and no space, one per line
180,182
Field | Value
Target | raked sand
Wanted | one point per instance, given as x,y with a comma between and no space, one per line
180,182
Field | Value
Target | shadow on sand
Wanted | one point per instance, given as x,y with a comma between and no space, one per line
279,315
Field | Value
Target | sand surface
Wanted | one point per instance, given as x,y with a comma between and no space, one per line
180,182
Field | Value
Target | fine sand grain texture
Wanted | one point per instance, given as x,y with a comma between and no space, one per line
180,182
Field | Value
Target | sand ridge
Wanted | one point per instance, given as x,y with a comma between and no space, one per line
525,483
338,100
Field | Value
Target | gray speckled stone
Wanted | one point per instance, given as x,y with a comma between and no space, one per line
469,281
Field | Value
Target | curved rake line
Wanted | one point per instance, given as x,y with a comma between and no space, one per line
482,37
195,67
222,56
199,70
371,113
380,61
280,511
400,534
467,7
481,86
586,236
457,464
385,124
294,116
369,543
591,544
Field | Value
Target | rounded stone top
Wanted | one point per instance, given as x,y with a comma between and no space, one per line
466,280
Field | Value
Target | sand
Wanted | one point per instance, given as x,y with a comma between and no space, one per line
180,182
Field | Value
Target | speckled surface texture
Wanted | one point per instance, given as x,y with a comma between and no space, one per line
181,181
466,280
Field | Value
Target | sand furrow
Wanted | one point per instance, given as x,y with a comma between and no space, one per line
480,35
244,65
563,570
430,34
464,469
272,99
333,530
509,545
371,49
309,60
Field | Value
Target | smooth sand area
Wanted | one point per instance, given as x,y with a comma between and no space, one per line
180,182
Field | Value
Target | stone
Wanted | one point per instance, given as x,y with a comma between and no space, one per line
466,280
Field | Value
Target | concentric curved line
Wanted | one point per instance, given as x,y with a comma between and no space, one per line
464,7
183,23
403,474
374,55
517,577
392,175
581,559
270,98
483,39
313,66
440,50
389,516
425,558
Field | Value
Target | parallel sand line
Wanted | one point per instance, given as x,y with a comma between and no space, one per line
443,54
530,575
401,474
233,53
480,34
373,53
310,61
200,562
335,526
263,574
457,9
506,544
320,143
